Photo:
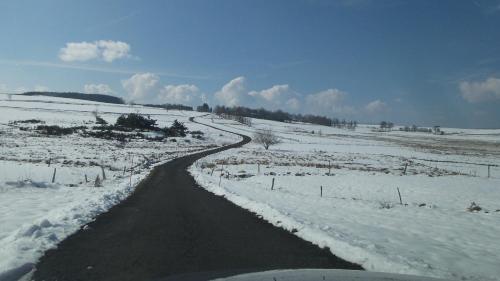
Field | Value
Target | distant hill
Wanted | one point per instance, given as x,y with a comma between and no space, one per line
80,96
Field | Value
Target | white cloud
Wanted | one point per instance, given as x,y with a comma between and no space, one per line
97,89
181,94
140,84
232,93
293,103
475,92
328,102
329,99
274,98
376,106
81,51
271,94
112,50
106,50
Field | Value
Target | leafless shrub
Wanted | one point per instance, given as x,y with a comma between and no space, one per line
207,165
386,205
266,138
474,207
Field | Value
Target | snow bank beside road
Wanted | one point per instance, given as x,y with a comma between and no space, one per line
48,215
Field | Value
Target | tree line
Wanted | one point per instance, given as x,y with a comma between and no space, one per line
282,116
169,106
80,96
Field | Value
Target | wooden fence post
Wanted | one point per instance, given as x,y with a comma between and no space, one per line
103,173
400,200
272,185
54,176
130,179
97,182
321,191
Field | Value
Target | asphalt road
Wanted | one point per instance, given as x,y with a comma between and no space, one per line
171,227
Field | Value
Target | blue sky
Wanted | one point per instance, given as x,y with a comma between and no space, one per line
411,62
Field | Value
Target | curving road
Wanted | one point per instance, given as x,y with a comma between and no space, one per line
170,228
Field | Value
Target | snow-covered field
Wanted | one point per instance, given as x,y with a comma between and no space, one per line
35,214
339,189
334,187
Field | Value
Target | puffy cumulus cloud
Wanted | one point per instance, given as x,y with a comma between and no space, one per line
272,94
329,99
293,103
376,106
81,51
181,94
482,91
112,50
328,102
97,89
233,93
140,84
106,50
276,97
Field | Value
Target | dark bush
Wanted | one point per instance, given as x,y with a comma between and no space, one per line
110,135
100,121
203,108
136,121
55,130
107,135
29,121
176,130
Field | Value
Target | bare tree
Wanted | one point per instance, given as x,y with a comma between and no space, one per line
266,138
